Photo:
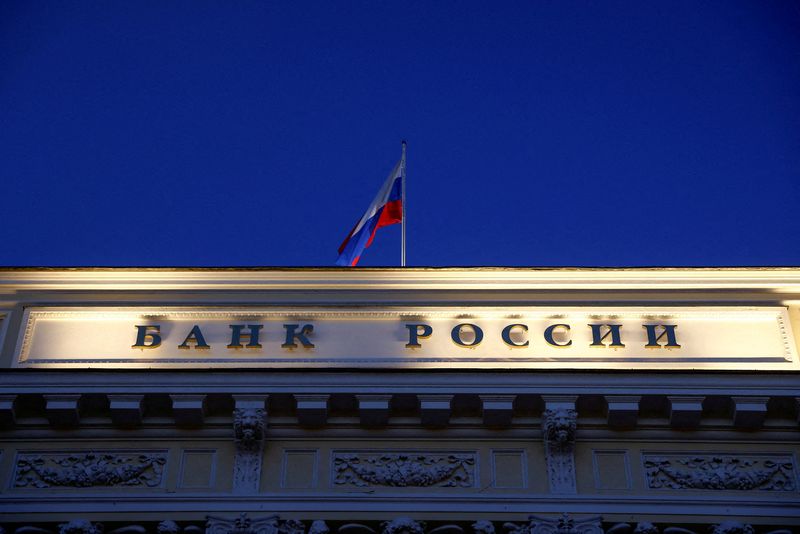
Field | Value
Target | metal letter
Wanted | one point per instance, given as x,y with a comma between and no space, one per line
455,334
196,337
414,333
291,335
653,340
143,335
252,336
613,329
548,335
507,335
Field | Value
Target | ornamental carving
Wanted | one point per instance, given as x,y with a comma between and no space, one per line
559,427
646,527
249,430
404,469
319,527
720,473
558,430
732,527
168,527
245,525
400,525
563,525
483,527
403,525
249,426
80,526
643,527
83,470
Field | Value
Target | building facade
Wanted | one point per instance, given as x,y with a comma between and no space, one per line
388,401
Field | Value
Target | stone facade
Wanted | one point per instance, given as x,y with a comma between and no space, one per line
355,450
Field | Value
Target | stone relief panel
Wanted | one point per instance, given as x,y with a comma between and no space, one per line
404,469
84,469
764,472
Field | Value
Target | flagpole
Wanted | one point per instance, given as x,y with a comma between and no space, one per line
403,202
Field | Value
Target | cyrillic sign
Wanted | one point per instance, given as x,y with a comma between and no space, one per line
495,338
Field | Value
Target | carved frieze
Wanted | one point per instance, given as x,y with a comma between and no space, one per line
404,469
720,472
81,469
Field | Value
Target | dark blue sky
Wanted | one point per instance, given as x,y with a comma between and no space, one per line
540,133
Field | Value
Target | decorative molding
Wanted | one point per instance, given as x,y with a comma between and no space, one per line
558,429
563,525
770,280
245,525
249,429
404,469
720,472
88,469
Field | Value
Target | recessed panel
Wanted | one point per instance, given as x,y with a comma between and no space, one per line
198,469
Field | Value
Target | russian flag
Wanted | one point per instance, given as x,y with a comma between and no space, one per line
386,209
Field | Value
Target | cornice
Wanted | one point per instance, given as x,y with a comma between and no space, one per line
785,280
252,381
